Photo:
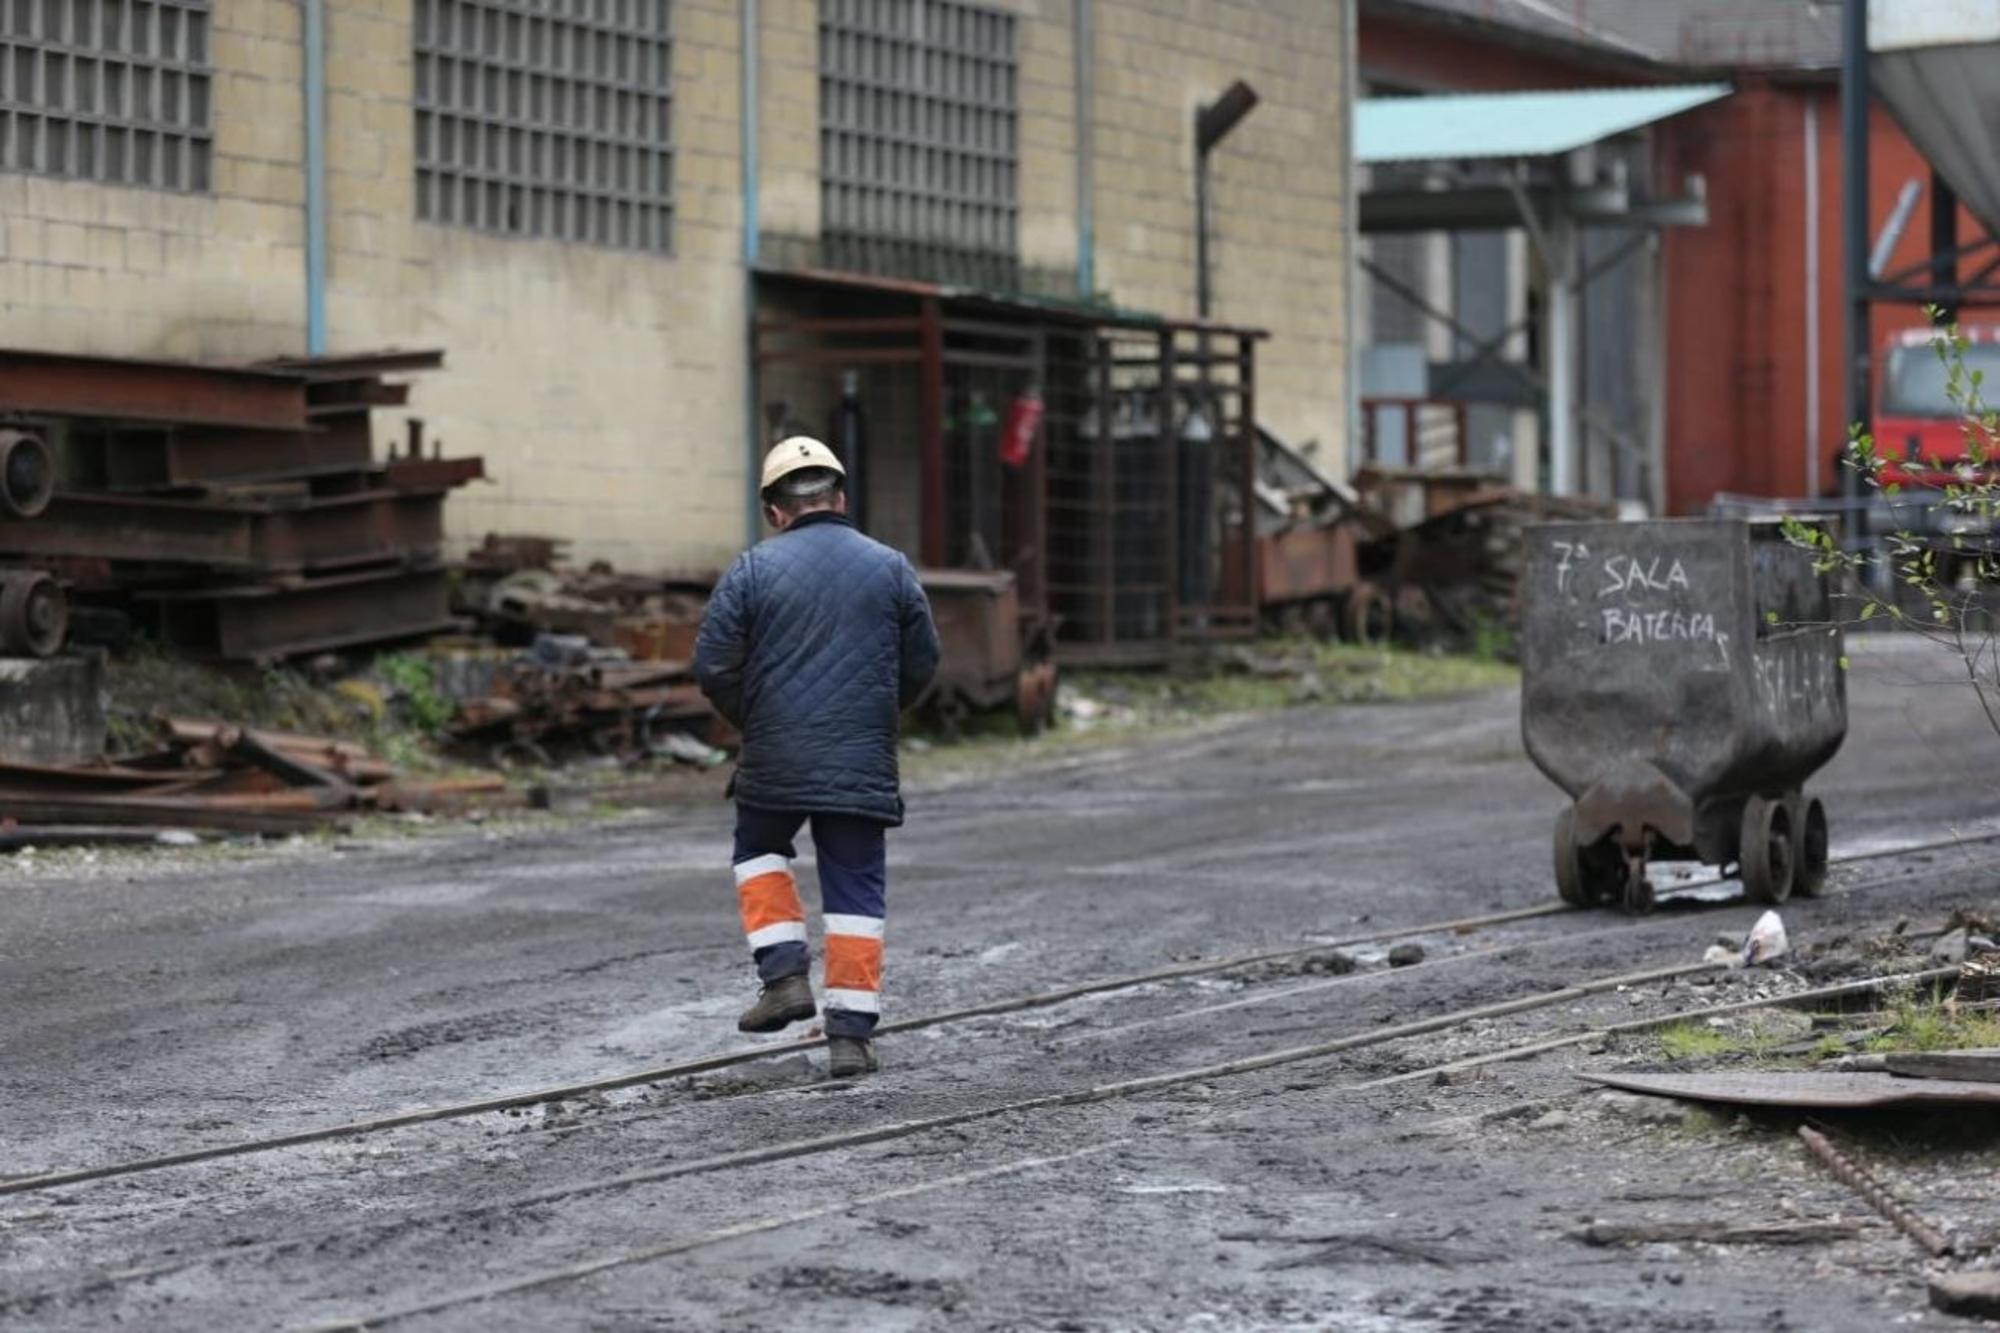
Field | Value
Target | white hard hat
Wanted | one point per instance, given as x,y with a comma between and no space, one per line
796,454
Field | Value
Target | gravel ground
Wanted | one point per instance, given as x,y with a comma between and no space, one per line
166,1001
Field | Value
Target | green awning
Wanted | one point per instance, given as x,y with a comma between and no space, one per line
1470,125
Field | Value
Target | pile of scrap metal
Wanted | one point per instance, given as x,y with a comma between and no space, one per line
607,666
212,776
1454,560
239,512
604,667
516,588
566,693
1423,556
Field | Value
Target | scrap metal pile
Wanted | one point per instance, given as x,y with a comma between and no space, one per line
1425,556
209,775
603,660
237,512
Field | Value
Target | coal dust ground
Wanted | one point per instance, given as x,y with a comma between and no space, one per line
157,1005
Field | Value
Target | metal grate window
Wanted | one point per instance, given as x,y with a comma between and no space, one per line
106,90
547,118
919,139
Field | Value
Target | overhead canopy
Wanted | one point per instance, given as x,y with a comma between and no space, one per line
1541,124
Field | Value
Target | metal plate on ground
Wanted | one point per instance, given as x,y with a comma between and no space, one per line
1806,1091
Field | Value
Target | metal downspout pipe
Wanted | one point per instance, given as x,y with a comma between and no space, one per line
1086,91
753,519
314,57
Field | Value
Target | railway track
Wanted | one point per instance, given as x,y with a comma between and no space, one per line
1098,1093
1554,1000
1041,999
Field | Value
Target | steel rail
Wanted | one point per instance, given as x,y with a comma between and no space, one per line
1102,1092
1499,952
818,1145
900,1129
665,1249
728,1059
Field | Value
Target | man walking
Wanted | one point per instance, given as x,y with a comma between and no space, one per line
814,643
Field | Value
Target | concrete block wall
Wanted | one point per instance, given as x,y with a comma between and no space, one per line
141,272
1279,186
606,387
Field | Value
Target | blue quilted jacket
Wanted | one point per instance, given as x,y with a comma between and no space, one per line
814,643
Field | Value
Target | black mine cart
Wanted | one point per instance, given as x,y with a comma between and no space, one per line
1681,681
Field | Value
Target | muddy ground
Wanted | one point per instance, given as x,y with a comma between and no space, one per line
156,1004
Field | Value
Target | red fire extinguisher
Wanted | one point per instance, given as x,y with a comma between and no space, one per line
1024,418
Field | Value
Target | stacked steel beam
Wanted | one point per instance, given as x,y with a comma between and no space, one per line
235,511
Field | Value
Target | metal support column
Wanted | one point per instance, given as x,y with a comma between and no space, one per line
1854,100
930,428
1565,443
1944,241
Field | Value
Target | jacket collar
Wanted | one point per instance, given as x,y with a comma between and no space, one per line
819,516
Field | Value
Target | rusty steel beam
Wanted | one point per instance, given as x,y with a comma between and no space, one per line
428,474
185,458
328,533
358,365
271,621
111,389
324,397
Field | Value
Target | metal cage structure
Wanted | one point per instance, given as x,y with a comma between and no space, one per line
1107,458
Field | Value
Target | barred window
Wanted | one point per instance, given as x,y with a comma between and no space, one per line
547,118
106,90
919,139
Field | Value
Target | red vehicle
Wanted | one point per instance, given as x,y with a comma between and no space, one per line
1919,432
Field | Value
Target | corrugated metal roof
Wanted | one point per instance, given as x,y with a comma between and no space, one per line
1469,125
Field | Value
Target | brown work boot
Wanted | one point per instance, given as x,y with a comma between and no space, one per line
786,1000
850,1057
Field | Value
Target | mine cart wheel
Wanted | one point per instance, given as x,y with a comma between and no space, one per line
1323,619
1035,698
952,712
1637,889
1809,821
1765,850
1370,617
34,614
1292,621
1585,876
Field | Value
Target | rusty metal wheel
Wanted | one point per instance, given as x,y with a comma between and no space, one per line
34,614
1323,619
1035,698
1585,876
1369,616
1569,863
1809,821
27,474
1764,848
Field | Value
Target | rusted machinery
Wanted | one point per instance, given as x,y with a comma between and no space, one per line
239,511
991,659
1682,680
1309,581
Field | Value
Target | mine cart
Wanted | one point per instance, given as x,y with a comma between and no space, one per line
992,659
1681,681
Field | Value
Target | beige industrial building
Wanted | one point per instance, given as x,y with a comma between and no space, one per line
568,197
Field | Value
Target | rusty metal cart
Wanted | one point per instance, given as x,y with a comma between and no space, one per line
1682,680
992,657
